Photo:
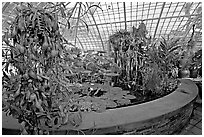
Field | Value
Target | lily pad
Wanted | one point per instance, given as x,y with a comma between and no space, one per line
95,86
104,97
97,100
116,89
116,93
98,107
116,97
129,97
70,75
107,71
86,72
111,74
123,101
110,104
105,87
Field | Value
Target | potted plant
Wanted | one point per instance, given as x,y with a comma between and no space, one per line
196,64
185,62
196,69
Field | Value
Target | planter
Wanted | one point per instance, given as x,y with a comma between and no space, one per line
194,73
183,73
165,115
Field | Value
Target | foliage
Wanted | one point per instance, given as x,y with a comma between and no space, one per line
197,60
89,67
41,77
145,67
127,49
162,63
196,64
188,52
34,76
47,85
99,97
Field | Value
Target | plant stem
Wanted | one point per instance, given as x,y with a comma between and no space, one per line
77,22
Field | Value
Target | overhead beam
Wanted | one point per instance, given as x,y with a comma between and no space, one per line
98,31
80,43
77,24
159,20
95,8
97,26
125,15
144,19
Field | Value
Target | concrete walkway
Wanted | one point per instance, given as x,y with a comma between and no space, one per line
195,124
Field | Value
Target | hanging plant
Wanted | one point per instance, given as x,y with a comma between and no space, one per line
33,74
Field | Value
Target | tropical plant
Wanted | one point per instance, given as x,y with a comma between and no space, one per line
127,49
183,32
145,67
162,64
196,64
42,79
187,52
34,72
47,85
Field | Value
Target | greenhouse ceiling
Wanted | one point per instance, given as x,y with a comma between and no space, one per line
100,20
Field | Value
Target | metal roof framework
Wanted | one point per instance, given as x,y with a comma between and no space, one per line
160,18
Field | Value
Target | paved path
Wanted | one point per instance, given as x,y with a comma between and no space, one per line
195,124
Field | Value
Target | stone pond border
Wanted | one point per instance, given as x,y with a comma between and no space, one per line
165,115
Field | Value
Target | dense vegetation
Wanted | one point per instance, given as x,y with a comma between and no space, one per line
47,85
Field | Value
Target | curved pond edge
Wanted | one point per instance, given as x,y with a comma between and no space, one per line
161,116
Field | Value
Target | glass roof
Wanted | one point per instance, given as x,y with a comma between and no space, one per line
160,18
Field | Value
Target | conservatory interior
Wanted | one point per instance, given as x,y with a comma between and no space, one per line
101,68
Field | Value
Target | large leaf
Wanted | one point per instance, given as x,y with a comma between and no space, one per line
110,104
116,96
163,46
123,101
129,97
173,48
111,74
105,87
